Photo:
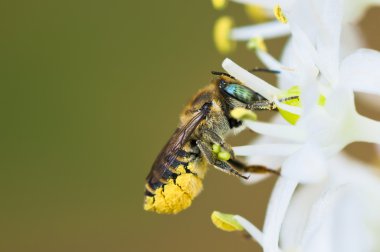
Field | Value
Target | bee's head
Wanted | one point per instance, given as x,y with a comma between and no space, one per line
234,93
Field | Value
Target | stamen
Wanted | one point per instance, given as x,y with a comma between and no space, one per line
225,222
219,4
257,43
251,229
267,30
257,13
222,29
279,14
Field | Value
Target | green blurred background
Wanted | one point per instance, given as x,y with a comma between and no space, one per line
90,92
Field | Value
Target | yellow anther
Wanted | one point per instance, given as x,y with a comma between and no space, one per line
257,43
243,114
292,92
222,29
279,14
225,222
321,100
219,4
257,13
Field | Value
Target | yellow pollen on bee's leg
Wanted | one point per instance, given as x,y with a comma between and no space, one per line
224,156
243,114
174,196
198,167
190,184
149,203
158,204
180,170
279,14
216,148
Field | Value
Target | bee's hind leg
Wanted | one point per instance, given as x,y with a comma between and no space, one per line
252,168
211,136
218,164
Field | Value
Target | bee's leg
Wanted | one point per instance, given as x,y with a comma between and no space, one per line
262,105
251,168
219,164
267,105
212,137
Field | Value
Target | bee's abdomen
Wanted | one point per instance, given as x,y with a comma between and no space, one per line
176,189
170,171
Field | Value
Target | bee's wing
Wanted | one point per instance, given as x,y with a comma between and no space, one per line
179,138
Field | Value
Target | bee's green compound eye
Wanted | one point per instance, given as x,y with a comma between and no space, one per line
240,93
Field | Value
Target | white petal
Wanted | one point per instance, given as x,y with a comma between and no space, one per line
343,219
355,9
266,149
309,94
307,165
288,59
301,46
291,109
360,71
351,40
258,85
367,130
278,204
319,213
320,22
268,30
297,216
288,132
272,63
328,39
273,162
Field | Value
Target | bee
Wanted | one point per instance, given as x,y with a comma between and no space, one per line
176,176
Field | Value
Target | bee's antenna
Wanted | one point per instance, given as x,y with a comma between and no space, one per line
265,70
221,73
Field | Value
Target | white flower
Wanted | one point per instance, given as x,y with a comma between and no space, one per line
340,213
328,120
353,12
